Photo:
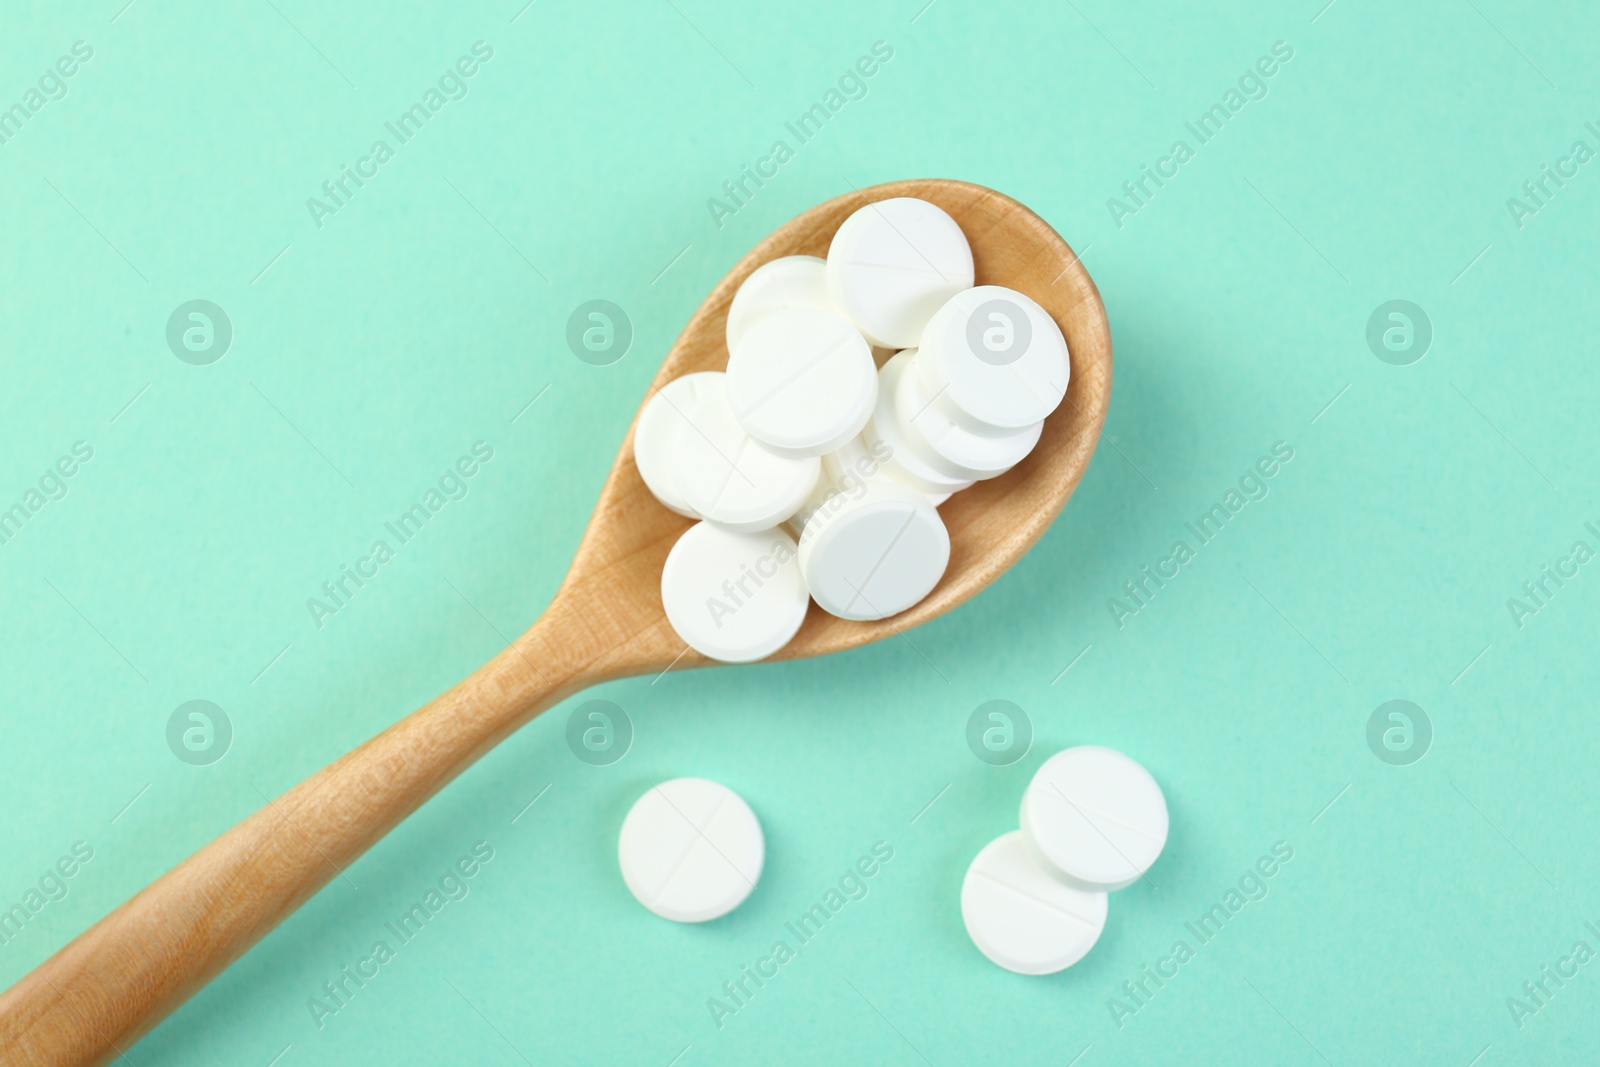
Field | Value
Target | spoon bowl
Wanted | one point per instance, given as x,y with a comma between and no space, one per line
100,993
991,524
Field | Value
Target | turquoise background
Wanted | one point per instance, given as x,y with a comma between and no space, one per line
369,353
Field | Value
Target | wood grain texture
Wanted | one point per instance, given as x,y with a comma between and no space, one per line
93,999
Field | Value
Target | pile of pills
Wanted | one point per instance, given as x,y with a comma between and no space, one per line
815,473
1093,821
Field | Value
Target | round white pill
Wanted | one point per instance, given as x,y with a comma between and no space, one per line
802,381
726,476
843,469
1023,919
952,448
873,549
894,263
853,460
655,438
995,360
1094,818
784,283
888,441
735,597
691,850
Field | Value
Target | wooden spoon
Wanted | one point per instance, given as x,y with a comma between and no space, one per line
99,994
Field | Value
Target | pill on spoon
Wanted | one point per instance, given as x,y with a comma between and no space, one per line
889,442
856,461
894,263
950,447
802,381
873,550
655,438
726,476
843,472
995,360
734,597
779,285
1023,919
691,850
1094,818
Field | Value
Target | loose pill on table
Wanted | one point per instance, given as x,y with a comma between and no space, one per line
948,446
995,360
777,285
726,476
1094,818
873,551
734,597
802,381
889,442
691,850
655,438
1023,919
894,263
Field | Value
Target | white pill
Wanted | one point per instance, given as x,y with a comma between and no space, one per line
784,283
894,263
726,476
873,549
1023,919
691,850
735,597
802,381
950,447
995,359
655,438
887,439
842,470
855,460
1094,818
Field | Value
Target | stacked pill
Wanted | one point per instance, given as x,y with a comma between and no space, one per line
1093,821
816,473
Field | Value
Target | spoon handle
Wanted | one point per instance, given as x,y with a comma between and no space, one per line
90,1001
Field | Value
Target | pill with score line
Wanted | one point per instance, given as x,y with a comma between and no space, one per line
1094,818
691,850
1021,918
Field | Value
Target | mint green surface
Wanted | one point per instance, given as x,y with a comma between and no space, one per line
424,316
